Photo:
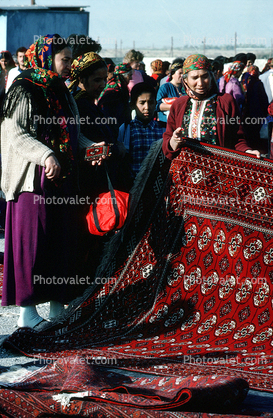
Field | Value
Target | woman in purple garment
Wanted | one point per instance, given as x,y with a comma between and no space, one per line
40,138
232,83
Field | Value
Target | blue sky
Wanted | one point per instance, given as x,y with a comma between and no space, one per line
152,23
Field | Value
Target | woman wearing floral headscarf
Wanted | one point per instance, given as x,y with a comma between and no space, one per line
232,84
203,114
40,138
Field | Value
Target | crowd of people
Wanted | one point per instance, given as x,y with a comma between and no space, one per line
62,97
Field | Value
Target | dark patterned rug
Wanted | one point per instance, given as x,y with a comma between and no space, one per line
185,297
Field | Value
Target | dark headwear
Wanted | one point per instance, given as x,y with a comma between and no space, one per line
250,56
110,64
140,88
81,44
241,57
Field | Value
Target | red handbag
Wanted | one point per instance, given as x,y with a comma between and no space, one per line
108,212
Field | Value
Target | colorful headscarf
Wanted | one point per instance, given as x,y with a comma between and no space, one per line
176,66
196,62
157,66
253,70
39,54
39,63
199,62
250,77
122,68
82,63
233,70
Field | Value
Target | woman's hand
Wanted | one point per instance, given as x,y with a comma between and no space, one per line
254,152
52,167
100,159
177,139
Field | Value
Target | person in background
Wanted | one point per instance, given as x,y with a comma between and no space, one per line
217,68
166,78
255,109
6,64
267,79
80,44
157,71
143,130
169,92
134,58
251,58
166,68
14,72
232,84
201,113
114,99
110,67
267,66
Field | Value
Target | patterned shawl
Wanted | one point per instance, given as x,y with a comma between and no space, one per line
38,77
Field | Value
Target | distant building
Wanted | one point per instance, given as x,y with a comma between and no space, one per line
22,26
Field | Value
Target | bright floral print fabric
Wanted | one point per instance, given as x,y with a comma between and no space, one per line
196,62
39,61
199,121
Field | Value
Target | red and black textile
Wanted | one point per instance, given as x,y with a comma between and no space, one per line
186,286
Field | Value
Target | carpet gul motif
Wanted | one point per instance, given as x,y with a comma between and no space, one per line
191,288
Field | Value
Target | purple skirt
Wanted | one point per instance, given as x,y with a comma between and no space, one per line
42,260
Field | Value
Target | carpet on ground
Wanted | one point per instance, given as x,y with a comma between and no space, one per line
179,317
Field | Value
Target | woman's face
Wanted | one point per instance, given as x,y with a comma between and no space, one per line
199,81
135,65
4,62
62,62
177,77
95,83
128,76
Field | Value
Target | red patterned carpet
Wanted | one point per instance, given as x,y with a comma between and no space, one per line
1,278
186,310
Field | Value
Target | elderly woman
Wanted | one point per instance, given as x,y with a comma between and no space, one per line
40,143
203,114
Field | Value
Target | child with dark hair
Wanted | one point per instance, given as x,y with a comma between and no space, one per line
143,130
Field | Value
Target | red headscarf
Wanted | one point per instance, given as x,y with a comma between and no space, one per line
233,70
